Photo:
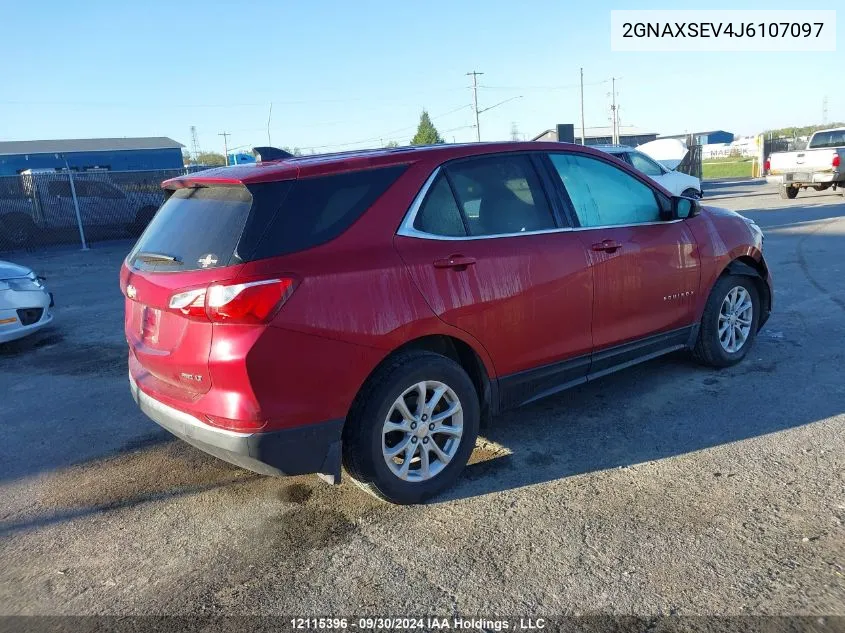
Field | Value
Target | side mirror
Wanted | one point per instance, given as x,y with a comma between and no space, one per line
683,208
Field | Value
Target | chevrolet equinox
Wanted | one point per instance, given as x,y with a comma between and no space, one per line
371,309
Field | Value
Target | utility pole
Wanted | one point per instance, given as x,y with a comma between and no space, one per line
824,110
475,75
225,136
269,116
583,135
614,111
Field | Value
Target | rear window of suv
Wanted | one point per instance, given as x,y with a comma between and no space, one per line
209,227
313,211
197,227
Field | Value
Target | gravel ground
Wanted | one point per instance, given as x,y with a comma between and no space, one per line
665,489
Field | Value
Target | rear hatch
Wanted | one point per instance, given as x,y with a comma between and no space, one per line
190,243
186,275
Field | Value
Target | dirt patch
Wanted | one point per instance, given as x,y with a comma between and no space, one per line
160,468
488,458
309,528
296,493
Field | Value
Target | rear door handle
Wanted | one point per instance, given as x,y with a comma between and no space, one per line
608,246
458,262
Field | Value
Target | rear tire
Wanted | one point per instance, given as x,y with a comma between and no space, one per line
383,452
18,230
788,193
714,345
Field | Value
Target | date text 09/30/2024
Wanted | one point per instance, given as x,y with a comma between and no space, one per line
421,624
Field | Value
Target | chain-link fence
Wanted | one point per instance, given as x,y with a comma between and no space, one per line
38,209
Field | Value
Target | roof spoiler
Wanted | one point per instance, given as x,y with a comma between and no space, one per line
264,154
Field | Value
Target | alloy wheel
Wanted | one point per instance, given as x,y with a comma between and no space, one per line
422,431
735,319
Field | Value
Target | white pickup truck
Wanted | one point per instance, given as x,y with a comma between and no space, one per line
820,166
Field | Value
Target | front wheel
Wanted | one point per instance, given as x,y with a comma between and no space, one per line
412,429
730,321
691,193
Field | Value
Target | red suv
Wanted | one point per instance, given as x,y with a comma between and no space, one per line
372,308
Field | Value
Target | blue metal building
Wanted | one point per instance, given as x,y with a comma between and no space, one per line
90,154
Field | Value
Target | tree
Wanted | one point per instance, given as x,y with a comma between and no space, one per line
391,144
791,132
210,158
186,158
426,134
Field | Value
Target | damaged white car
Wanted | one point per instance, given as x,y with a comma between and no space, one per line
25,302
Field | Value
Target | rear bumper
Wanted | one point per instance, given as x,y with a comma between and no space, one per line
314,448
819,177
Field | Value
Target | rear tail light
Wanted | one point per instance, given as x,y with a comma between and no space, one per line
837,160
247,302
190,303
767,165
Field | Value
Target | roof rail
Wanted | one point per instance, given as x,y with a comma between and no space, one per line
270,153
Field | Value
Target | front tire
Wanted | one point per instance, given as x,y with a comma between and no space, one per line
412,428
730,322
691,193
788,193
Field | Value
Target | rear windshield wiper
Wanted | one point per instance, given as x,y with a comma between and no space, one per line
158,257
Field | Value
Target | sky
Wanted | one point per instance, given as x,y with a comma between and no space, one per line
353,74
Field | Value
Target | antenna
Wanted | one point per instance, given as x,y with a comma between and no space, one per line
195,144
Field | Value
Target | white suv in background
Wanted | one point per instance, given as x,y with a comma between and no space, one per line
676,182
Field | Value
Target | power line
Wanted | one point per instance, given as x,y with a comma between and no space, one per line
386,134
562,87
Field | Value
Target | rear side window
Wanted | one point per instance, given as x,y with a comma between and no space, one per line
314,211
501,195
198,228
439,214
